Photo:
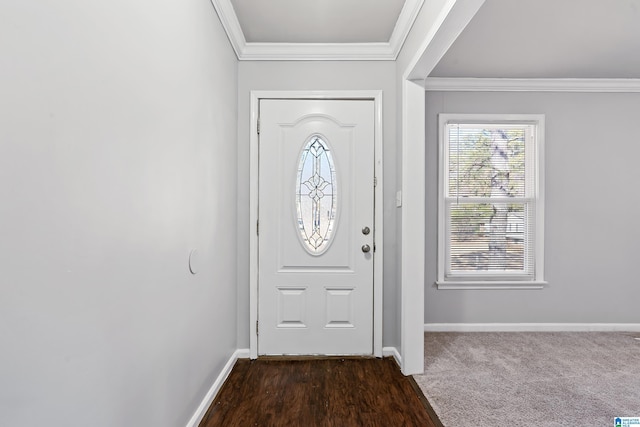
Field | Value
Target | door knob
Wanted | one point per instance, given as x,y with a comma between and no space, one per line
366,231
366,248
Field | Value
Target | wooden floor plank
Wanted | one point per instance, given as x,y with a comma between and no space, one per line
325,392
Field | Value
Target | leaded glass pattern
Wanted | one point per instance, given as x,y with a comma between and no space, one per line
316,195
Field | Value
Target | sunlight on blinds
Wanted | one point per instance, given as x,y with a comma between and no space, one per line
489,200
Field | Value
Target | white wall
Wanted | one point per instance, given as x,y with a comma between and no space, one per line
592,231
319,75
117,156
410,130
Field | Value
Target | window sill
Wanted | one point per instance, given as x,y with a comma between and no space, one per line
492,285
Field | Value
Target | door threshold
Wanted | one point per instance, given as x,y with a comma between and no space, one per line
316,357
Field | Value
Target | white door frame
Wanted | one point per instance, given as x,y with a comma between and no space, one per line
376,97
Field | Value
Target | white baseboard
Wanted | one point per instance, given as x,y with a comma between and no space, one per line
532,327
243,353
392,351
215,388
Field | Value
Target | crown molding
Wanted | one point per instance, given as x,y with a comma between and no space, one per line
383,51
231,25
317,52
453,18
532,85
407,17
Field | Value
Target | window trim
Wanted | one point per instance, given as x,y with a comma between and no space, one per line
537,282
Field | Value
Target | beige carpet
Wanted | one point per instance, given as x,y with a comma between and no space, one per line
539,379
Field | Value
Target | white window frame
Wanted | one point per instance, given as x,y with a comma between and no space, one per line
535,156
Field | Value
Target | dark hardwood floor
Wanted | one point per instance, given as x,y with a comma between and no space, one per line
309,392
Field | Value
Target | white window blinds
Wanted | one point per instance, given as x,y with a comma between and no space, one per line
489,195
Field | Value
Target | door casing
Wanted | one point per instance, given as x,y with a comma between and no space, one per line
376,96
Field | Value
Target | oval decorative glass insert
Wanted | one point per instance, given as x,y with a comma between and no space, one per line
316,195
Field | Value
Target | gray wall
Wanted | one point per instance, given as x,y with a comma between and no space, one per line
319,75
117,157
592,231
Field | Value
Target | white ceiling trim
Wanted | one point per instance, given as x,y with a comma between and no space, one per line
407,17
231,25
316,51
531,85
453,18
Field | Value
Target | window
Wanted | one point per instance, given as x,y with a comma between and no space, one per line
316,195
491,202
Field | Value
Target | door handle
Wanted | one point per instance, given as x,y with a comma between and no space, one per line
366,248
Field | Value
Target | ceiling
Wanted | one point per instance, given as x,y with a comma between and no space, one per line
505,39
548,39
313,21
317,29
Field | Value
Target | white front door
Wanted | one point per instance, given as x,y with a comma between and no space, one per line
316,227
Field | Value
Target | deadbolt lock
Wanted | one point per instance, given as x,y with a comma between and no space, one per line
366,231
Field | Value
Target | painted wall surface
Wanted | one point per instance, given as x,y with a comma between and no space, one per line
591,231
117,157
318,75
409,294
